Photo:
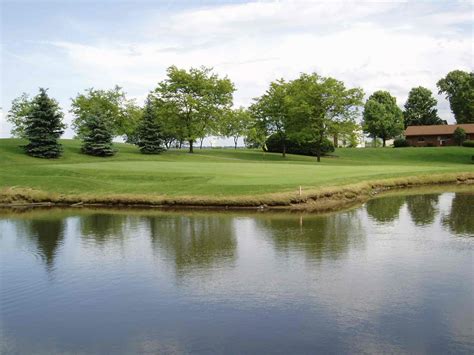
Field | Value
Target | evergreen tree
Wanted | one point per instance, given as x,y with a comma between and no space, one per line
43,127
97,139
149,133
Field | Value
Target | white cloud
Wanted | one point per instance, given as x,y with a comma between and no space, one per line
388,45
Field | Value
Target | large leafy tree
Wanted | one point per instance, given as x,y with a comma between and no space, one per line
270,111
458,86
19,111
195,101
121,115
97,137
43,126
317,104
149,134
235,124
382,117
420,108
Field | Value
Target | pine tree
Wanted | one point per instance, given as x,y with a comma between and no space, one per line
97,139
150,135
43,127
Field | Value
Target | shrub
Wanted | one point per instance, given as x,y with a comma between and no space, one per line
469,144
459,136
293,146
400,143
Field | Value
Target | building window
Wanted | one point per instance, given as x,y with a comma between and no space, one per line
421,139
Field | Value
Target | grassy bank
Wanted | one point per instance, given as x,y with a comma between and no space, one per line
221,176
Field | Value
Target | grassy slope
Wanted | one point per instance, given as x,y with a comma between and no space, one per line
217,172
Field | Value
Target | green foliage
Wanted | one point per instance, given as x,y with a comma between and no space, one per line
459,135
120,114
420,108
469,144
235,124
17,116
97,137
270,112
320,105
458,86
382,117
149,133
295,146
43,126
195,100
400,143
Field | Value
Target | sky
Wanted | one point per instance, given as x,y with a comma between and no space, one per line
70,45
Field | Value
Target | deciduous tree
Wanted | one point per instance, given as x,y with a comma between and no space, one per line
382,117
458,86
420,108
195,100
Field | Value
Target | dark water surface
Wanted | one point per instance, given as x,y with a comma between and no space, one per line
395,275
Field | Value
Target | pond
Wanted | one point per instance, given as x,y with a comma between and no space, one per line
393,275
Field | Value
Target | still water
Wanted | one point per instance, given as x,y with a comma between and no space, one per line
394,275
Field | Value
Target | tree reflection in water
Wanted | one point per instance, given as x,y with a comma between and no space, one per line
385,210
45,235
194,242
422,208
459,219
326,236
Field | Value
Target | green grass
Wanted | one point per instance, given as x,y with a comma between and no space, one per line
217,172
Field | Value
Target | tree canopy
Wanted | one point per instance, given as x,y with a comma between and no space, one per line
458,86
420,108
316,104
120,114
382,117
195,100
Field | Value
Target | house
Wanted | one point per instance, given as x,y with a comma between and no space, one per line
436,135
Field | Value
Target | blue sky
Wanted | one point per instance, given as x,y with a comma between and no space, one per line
69,46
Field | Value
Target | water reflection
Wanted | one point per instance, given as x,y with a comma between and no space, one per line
460,218
99,227
422,208
318,236
196,242
385,210
152,281
45,235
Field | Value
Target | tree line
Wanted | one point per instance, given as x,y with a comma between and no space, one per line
189,105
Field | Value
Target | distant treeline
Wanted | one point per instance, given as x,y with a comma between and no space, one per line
190,105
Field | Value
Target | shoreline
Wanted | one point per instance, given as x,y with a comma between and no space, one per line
326,199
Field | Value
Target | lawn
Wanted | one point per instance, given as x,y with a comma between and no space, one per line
217,172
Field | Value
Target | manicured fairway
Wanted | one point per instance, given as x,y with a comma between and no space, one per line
217,172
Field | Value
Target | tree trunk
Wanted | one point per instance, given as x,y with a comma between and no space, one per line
383,140
180,144
200,145
284,150
335,140
318,156
235,142
191,150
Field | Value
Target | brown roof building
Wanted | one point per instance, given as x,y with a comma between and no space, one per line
436,135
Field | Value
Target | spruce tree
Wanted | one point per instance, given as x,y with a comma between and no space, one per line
43,127
150,135
97,139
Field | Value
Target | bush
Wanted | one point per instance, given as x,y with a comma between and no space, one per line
293,146
459,136
400,143
469,144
